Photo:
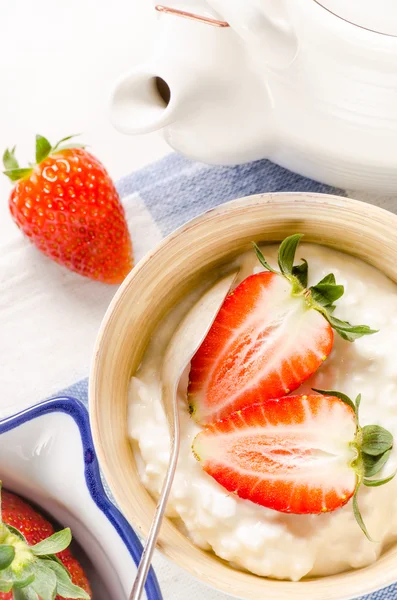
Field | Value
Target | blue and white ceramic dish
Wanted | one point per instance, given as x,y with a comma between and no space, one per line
47,456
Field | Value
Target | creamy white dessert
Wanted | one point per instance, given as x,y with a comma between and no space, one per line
251,537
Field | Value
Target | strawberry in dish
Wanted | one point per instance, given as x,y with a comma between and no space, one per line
296,454
271,334
35,562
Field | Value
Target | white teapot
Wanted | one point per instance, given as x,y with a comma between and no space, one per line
311,85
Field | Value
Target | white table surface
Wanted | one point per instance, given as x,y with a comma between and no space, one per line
57,64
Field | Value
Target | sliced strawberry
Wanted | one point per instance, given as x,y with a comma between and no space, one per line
291,454
296,454
271,334
263,344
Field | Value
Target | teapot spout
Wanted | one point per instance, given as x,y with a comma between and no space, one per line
202,89
141,102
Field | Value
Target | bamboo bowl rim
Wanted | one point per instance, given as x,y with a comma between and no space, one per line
364,230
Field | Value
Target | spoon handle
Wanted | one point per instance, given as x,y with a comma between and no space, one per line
147,554
186,340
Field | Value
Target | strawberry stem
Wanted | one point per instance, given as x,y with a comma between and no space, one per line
43,151
62,146
358,516
320,297
373,445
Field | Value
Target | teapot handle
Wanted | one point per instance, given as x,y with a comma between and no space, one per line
265,27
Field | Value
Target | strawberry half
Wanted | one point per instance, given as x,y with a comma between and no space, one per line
270,335
296,454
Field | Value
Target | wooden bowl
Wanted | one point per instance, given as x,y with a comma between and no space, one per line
151,289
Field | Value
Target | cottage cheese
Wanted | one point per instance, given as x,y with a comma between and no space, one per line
251,537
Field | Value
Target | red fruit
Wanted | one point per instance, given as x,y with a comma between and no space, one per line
19,514
35,528
292,454
263,344
69,208
297,454
271,334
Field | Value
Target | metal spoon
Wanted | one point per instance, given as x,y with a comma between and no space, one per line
180,351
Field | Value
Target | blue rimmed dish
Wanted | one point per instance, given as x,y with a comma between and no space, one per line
48,457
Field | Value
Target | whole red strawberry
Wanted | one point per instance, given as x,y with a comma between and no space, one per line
69,208
29,560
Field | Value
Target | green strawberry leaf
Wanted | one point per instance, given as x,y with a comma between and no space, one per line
61,146
15,531
65,587
286,253
54,558
11,580
327,293
43,148
378,482
22,583
330,279
16,174
339,395
262,259
25,594
301,272
68,147
373,464
9,160
55,543
346,330
358,516
45,581
357,403
7,555
5,585
376,440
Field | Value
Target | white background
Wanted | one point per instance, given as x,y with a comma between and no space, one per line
58,59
